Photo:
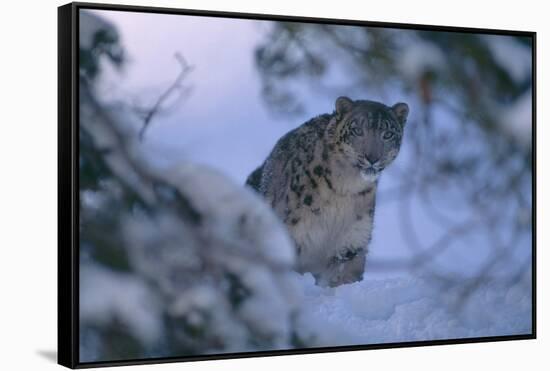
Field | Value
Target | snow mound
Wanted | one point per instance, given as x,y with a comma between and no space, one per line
411,309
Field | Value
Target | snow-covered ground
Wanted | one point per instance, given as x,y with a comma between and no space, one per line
411,309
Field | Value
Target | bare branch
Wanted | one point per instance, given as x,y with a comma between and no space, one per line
176,85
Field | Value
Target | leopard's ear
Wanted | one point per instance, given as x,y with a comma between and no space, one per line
401,111
343,105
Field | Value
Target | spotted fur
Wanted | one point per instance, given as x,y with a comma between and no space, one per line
321,180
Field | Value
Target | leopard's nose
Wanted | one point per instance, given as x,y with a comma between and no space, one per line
372,158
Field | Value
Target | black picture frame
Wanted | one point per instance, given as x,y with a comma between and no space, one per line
68,183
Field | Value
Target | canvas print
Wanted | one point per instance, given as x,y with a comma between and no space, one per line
253,185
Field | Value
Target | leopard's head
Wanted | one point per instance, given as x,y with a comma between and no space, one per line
368,134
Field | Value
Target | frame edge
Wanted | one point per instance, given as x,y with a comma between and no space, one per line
67,343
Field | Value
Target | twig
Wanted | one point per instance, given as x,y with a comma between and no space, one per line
185,70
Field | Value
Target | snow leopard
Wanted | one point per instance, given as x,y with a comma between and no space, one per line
321,180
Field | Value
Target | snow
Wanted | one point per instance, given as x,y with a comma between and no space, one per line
89,25
517,119
368,312
188,274
210,280
411,309
512,56
237,212
107,296
419,57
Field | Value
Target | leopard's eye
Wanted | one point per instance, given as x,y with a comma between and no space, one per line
388,135
357,131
